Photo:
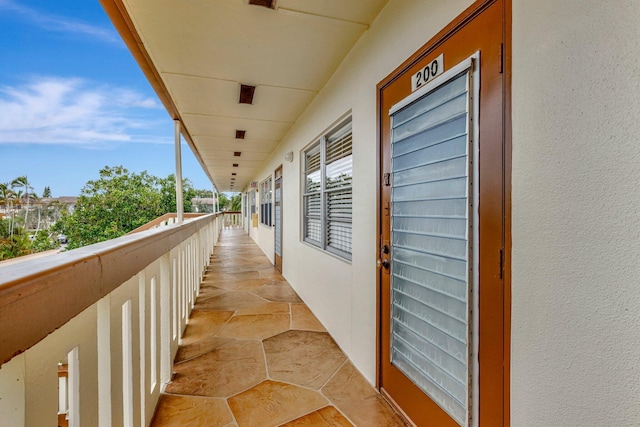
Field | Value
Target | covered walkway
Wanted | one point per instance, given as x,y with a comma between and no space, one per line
254,355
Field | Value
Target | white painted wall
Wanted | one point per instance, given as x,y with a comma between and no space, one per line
576,213
342,294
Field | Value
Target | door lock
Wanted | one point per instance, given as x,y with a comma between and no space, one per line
385,250
383,263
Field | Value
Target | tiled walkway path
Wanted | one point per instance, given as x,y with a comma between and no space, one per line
254,355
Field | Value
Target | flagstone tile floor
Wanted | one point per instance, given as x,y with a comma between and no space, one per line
253,354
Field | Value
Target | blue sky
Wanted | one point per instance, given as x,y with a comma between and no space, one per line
73,100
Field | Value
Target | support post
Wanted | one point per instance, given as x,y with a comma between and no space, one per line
179,201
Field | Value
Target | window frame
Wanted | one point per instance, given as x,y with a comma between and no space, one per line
266,202
321,145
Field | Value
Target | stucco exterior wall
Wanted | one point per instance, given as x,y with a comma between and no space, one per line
576,210
576,213
343,294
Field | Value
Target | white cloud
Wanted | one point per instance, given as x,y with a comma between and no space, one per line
56,23
52,110
129,98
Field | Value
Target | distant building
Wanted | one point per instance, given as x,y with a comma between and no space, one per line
203,204
68,201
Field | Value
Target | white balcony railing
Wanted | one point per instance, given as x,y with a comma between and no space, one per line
232,219
91,334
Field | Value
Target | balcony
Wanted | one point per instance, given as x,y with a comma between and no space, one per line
88,337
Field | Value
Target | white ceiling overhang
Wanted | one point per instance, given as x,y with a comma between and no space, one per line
197,53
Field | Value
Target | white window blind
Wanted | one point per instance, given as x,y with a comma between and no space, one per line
313,197
265,201
327,199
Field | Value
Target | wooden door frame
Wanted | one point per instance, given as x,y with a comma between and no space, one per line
434,43
275,178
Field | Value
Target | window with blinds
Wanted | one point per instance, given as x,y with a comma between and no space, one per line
327,205
266,202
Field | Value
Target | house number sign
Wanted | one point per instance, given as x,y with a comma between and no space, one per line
430,71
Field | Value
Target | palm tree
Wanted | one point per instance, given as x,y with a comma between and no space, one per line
23,182
236,202
15,197
5,195
7,199
36,199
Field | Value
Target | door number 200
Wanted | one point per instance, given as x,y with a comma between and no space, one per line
428,73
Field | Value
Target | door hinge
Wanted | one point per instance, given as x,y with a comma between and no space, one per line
387,179
501,59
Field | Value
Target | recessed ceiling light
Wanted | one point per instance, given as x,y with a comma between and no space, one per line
246,94
266,3
240,134
233,173
235,165
237,153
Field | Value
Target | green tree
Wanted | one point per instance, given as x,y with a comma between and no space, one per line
111,206
14,239
14,244
168,189
7,199
5,228
44,240
46,193
118,202
6,194
223,202
16,197
204,193
236,202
